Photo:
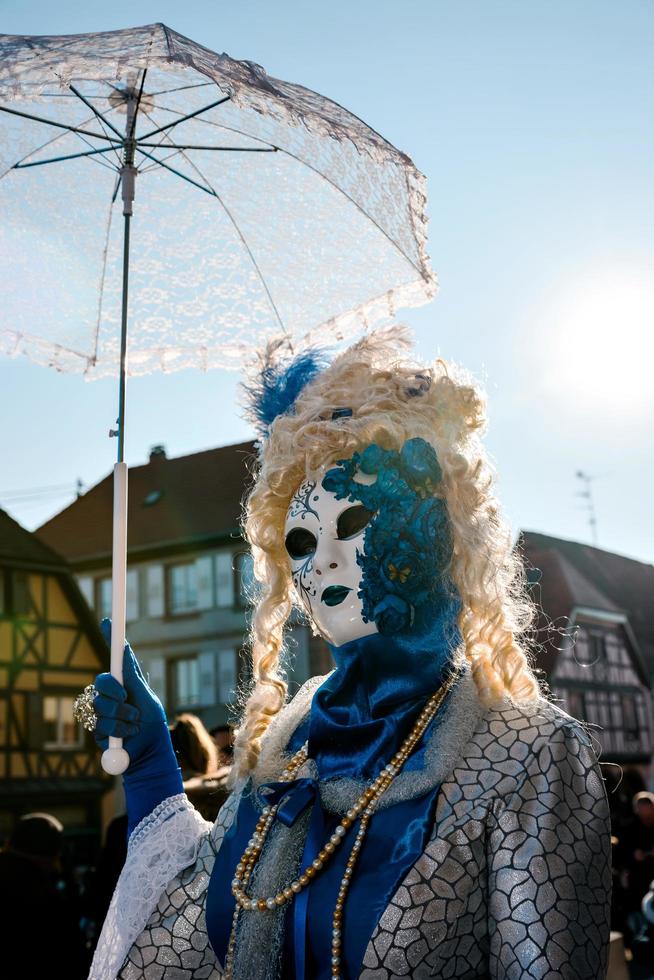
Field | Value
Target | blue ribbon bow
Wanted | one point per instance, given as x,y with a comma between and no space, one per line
292,798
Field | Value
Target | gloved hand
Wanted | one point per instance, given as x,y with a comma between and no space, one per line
134,713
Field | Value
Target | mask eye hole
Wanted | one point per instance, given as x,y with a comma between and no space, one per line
300,543
352,521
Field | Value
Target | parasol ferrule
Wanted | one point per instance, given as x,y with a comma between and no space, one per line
127,182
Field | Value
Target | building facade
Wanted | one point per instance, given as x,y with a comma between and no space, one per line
189,579
596,635
50,649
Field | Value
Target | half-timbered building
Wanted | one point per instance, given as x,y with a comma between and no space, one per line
50,649
596,634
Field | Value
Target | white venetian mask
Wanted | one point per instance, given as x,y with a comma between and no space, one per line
322,536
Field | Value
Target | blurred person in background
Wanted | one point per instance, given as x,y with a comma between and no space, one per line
640,849
203,772
223,737
35,900
107,871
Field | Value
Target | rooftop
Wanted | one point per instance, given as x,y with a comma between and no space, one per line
575,574
20,547
173,504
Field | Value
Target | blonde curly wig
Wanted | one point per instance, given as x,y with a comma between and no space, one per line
374,378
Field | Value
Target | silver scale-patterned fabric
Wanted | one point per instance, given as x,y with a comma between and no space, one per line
515,882
174,945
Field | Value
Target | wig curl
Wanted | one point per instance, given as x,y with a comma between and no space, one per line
392,400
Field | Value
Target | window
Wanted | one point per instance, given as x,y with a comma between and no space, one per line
597,642
224,579
20,594
85,585
576,706
182,588
630,718
104,598
132,604
227,679
186,681
61,731
590,647
14,593
246,580
152,498
154,591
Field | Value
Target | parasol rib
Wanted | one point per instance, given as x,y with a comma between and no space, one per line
51,122
96,113
238,231
178,173
103,274
181,88
70,156
49,142
132,128
293,156
190,115
227,149
153,166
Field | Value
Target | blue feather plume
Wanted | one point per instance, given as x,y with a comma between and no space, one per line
278,385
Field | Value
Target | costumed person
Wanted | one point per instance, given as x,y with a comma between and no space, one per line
203,776
421,811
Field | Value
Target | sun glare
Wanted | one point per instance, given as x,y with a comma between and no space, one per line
602,329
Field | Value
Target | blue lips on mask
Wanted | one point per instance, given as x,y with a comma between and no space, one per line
334,595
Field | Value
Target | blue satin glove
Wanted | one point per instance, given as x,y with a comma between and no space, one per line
135,714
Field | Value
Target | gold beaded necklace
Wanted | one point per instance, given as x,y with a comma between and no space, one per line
362,810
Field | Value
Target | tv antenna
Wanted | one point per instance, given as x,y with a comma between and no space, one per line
587,494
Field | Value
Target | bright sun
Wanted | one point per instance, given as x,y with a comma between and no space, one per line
602,333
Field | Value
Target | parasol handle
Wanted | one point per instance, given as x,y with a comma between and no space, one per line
115,759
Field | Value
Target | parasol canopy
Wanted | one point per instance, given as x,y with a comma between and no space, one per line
264,210
261,208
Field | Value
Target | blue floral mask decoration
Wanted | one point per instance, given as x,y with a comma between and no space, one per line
408,541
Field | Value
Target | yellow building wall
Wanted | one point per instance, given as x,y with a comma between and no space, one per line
67,678
6,642
85,656
59,610
60,642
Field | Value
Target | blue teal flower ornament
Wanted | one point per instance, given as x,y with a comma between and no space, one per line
408,541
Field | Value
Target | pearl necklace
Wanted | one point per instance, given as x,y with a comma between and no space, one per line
362,810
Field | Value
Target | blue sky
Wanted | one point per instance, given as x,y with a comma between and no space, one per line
533,124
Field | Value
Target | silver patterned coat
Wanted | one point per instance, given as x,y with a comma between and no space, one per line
515,881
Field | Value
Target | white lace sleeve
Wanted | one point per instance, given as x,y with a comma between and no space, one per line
165,842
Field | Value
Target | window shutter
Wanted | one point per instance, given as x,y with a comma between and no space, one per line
132,585
155,674
85,585
226,675
224,579
204,575
207,662
155,590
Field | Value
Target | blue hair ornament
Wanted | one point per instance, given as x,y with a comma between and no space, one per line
278,387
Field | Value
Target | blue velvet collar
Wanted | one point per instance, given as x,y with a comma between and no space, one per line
366,708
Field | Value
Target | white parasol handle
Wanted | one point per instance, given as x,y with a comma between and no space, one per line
115,759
